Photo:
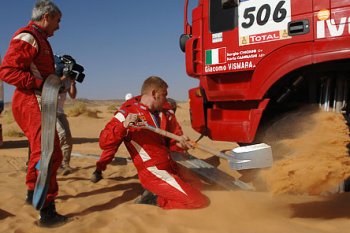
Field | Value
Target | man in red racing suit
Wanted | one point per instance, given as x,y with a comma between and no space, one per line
27,63
149,151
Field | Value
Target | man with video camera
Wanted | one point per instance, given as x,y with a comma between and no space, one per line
26,65
69,72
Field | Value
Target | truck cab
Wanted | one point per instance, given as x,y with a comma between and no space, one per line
1,105
250,56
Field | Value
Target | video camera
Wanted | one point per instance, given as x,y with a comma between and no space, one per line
66,65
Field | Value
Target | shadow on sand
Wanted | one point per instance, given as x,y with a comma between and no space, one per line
84,140
336,206
24,143
4,214
15,144
132,190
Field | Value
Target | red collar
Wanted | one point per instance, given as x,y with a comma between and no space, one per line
39,29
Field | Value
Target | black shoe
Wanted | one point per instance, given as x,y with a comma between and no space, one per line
96,176
147,198
67,170
50,218
29,197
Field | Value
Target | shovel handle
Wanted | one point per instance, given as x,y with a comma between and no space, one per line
179,138
162,132
165,133
211,151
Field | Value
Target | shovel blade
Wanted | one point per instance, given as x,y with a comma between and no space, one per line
253,156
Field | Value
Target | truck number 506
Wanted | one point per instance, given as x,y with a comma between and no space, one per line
263,14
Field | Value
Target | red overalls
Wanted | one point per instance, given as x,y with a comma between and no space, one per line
27,63
150,153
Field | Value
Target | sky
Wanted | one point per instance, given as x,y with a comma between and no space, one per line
120,43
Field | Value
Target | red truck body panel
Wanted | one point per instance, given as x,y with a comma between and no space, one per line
236,67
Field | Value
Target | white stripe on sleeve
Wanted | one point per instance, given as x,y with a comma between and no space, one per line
120,117
27,37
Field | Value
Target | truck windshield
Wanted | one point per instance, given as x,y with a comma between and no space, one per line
223,15
226,4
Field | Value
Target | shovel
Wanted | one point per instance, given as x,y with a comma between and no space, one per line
245,157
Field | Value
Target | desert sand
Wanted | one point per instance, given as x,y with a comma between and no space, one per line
300,193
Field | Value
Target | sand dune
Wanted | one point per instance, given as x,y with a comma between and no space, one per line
108,206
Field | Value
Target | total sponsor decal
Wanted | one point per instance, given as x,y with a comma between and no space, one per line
263,21
327,27
264,37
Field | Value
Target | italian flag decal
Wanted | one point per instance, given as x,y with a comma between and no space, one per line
215,56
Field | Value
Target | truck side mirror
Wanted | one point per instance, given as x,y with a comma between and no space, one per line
227,4
183,39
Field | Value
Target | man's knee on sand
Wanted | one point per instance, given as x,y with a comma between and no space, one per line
197,202
195,199
201,202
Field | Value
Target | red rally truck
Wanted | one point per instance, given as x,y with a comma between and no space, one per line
253,56
1,105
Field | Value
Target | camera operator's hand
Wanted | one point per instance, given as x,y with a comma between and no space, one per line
68,73
68,84
64,78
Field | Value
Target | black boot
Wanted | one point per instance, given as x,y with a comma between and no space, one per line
29,197
50,218
147,198
96,176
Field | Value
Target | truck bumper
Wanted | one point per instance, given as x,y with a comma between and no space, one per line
235,121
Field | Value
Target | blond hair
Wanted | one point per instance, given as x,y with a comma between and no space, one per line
153,83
